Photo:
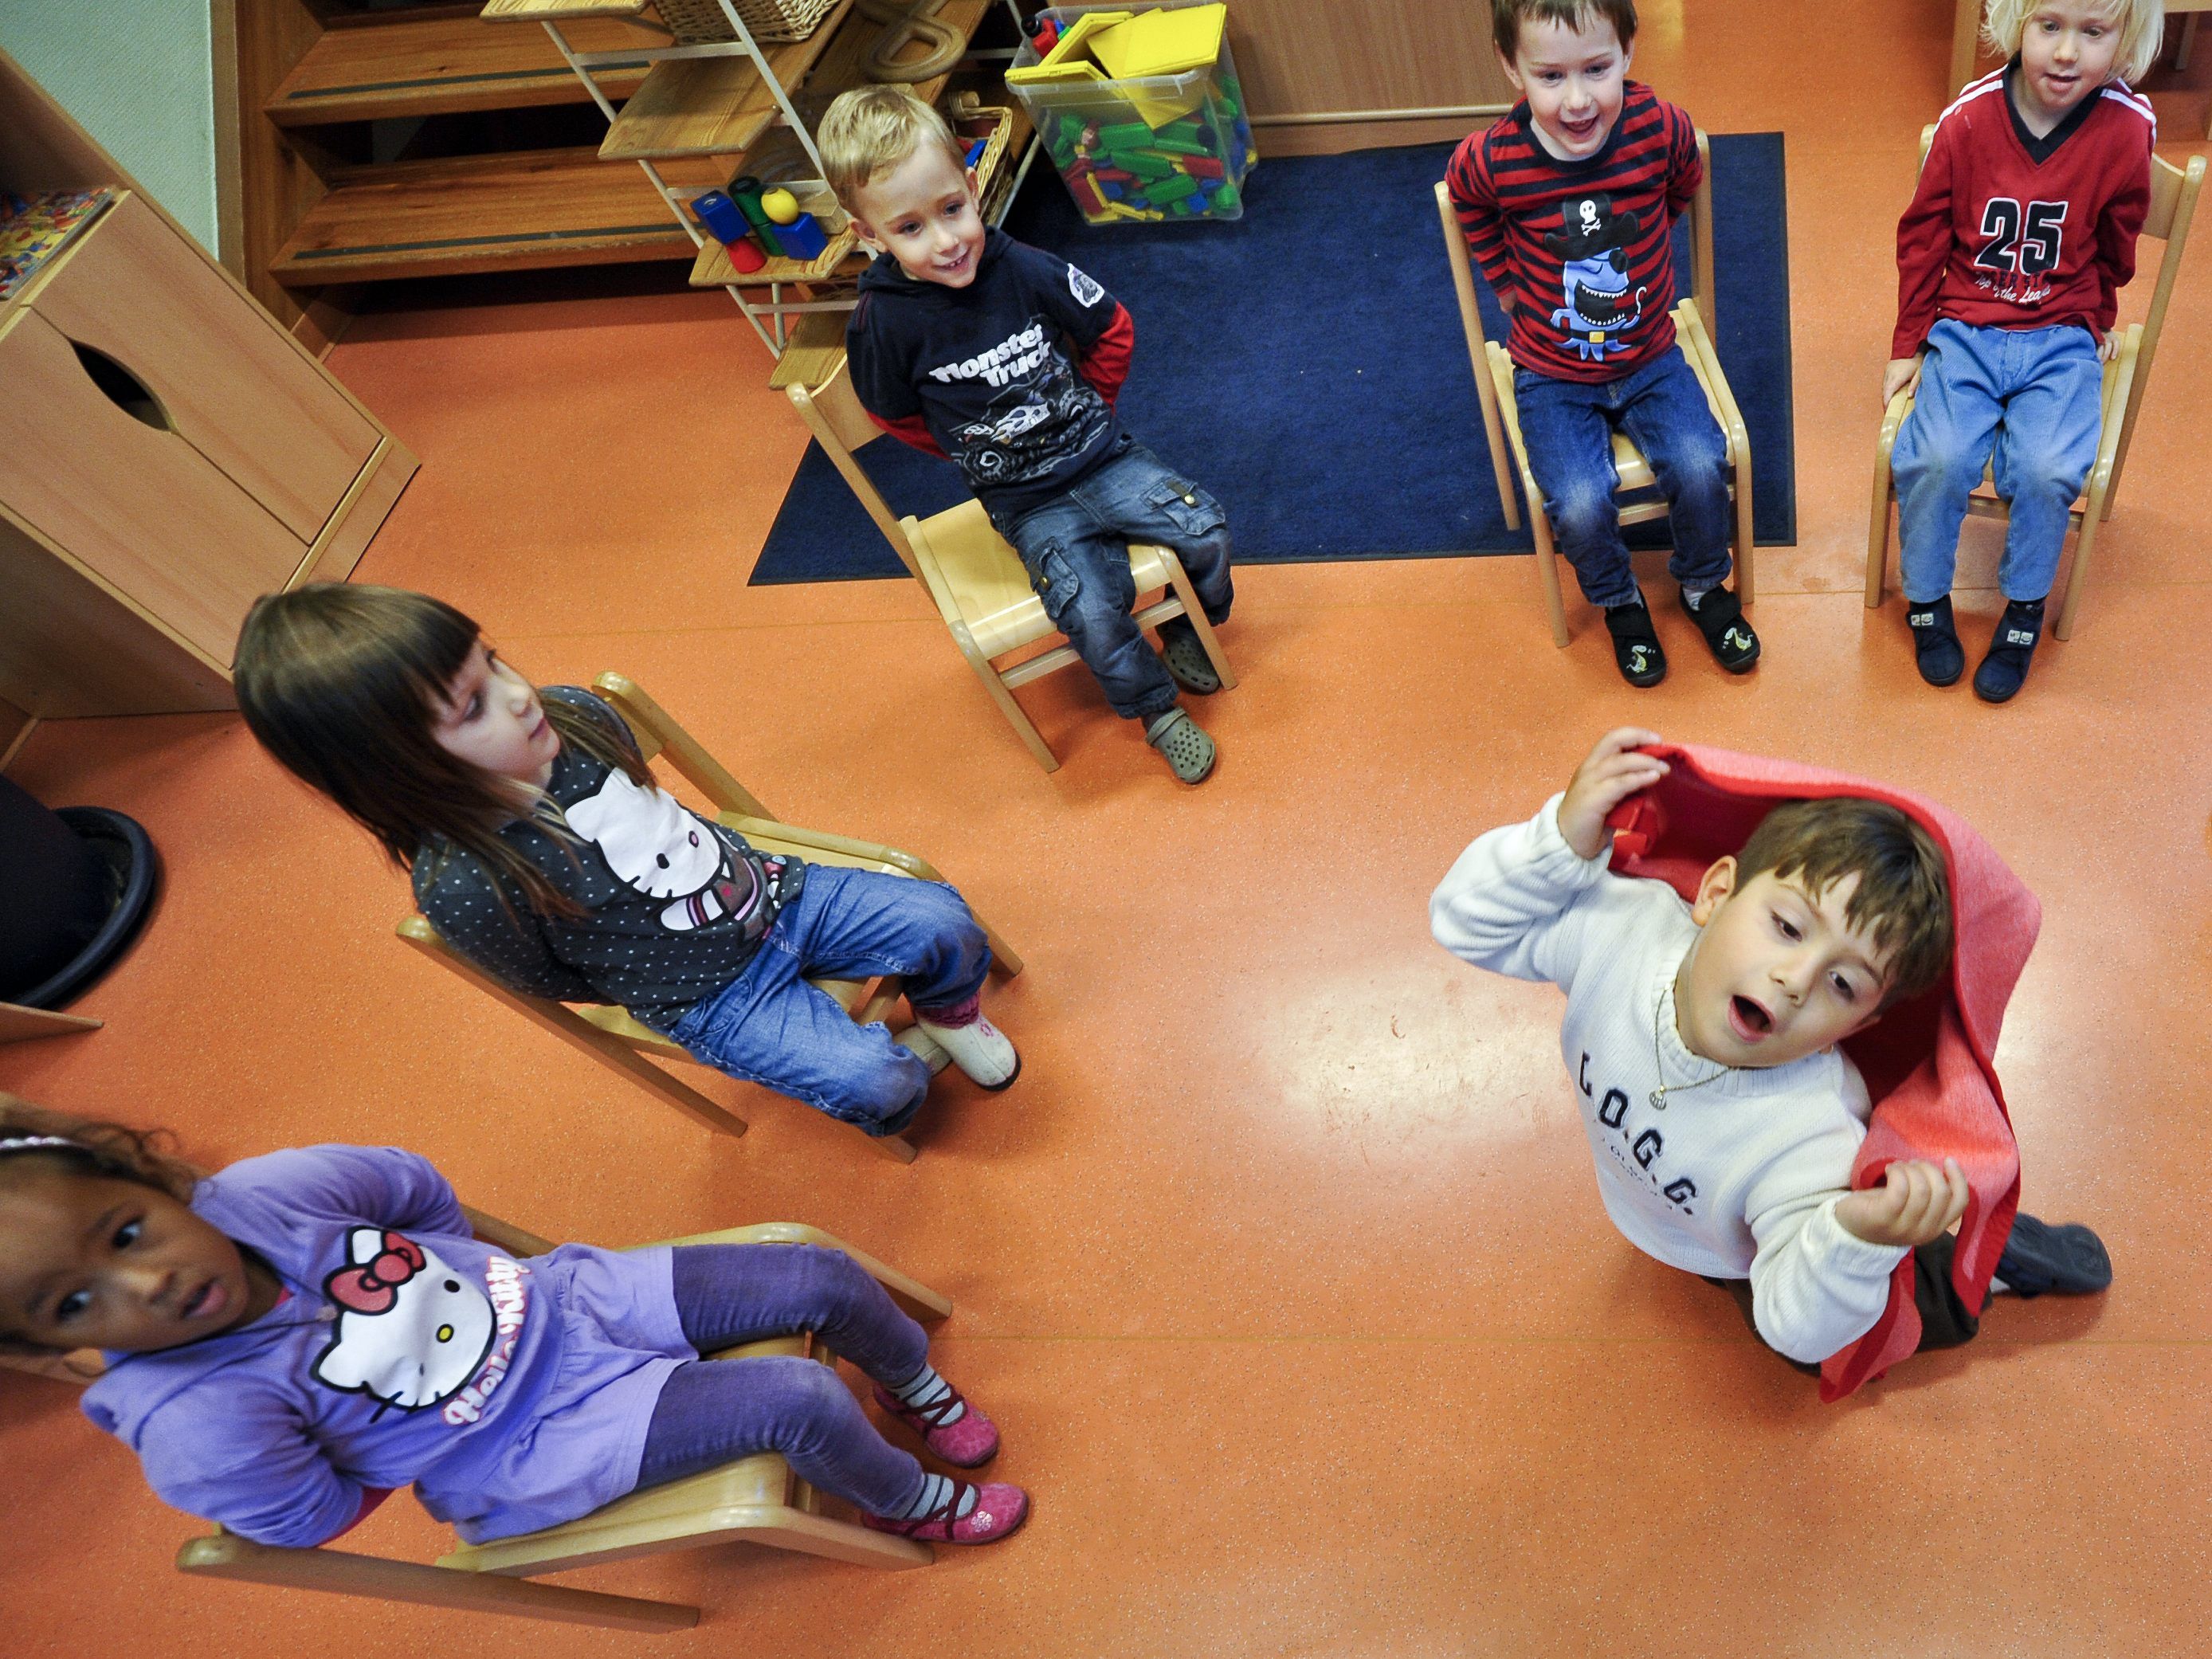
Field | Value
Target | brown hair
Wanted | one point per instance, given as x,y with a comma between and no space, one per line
1506,17
1903,899
111,1150
871,129
343,684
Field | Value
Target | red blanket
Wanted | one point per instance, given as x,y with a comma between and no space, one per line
1928,1062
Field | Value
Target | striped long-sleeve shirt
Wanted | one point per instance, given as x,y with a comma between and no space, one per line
1584,248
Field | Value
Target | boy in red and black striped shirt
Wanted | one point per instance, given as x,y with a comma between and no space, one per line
1568,205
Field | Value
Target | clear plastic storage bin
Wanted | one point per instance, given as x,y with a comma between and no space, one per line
1152,150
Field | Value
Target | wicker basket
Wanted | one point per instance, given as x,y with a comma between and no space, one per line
994,175
767,19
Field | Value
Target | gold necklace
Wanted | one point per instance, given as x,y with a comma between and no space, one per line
1658,1095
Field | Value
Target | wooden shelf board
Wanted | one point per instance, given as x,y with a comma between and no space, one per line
519,211
714,105
558,11
711,266
439,64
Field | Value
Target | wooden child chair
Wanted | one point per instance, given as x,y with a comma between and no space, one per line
608,1033
755,1498
975,576
2172,203
1501,417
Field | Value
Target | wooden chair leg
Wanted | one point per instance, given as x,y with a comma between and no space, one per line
1195,613
1004,962
2084,545
999,693
1548,576
341,1573
1746,585
603,1046
1878,532
898,1148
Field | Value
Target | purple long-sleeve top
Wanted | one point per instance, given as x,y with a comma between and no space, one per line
511,1394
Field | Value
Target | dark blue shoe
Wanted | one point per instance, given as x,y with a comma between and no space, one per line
1936,648
2039,1257
2000,677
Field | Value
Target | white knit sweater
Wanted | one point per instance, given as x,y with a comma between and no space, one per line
1738,1178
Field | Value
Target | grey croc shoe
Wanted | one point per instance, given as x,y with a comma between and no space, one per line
1188,750
1184,653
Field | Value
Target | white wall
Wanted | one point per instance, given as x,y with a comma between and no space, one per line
139,74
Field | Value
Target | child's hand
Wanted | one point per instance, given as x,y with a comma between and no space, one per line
1914,1203
2109,347
1614,772
1903,374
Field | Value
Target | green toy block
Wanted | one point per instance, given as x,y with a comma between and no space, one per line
1173,190
1144,163
1225,199
1183,146
1121,135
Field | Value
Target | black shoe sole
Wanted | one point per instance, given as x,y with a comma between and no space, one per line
2040,1259
1939,685
2007,696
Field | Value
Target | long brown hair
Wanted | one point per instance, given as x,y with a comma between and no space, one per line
344,685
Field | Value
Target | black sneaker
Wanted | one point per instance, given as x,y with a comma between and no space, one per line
1719,617
1935,645
2005,668
2039,1257
1635,645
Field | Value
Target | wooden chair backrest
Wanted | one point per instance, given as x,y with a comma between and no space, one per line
657,734
833,413
2172,205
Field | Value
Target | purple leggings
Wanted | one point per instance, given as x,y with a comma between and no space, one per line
713,1412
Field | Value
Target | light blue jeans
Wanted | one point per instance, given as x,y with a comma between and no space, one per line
2034,396
770,1026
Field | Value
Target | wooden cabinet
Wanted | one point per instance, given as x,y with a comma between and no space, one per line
168,452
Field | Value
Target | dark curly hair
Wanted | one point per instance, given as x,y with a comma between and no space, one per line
112,1150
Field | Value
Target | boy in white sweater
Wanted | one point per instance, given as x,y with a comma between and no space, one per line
1722,1117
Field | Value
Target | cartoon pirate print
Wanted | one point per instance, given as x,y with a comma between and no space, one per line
1592,244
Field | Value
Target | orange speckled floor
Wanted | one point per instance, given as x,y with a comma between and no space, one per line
1282,1268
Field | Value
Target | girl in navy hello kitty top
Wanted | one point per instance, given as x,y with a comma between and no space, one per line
542,849
288,1340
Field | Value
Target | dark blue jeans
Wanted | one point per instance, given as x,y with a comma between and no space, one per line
1568,428
770,1026
713,1413
1076,549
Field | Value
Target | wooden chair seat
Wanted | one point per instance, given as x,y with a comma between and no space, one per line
2174,193
612,1035
758,1499
1501,416
975,577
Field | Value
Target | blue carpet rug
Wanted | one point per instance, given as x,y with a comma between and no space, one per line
1306,364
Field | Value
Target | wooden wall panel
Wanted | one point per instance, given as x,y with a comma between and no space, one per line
1323,57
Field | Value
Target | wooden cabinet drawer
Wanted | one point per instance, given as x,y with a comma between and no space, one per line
135,504
231,383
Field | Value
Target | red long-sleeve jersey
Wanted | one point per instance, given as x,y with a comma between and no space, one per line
2010,231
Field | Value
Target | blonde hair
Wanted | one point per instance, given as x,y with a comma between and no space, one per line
870,130
2142,22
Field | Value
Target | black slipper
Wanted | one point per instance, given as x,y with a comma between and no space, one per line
2039,1257
2005,669
1719,617
1635,645
1936,648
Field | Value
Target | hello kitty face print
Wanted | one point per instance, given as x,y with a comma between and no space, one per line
652,844
412,1330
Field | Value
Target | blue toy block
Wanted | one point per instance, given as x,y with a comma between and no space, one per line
802,238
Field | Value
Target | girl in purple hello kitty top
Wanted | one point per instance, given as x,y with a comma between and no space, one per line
541,850
291,1339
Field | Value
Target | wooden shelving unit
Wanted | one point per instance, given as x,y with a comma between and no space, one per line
716,107
526,210
391,65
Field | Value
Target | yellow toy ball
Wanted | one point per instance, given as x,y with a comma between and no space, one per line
780,205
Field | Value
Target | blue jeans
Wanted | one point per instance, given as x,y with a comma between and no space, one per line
1567,427
711,1414
2034,396
1076,549
769,1026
